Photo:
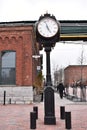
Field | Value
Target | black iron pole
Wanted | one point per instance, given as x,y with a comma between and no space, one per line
4,98
35,109
32,120
49,118
68,120
62,112
48,66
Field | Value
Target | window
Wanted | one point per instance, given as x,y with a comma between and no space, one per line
7,67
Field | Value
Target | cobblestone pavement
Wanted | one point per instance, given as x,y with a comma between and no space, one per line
17,117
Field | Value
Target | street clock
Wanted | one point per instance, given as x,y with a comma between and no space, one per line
47,27
47,30
47,34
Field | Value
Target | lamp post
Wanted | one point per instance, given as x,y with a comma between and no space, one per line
47,34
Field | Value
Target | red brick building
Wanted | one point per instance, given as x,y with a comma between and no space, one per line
75,73
17,46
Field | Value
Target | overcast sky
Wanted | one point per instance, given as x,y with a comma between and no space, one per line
22,10
12,10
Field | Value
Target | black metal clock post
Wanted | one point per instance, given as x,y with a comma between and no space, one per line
49,103
48,67
47,34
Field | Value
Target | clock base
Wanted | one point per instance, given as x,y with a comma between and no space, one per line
49,105
50,120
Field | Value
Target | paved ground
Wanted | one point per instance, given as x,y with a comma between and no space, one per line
17,117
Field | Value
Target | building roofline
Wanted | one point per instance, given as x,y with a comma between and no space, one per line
73,21
33,21
71,30
75,66
16,23
13,22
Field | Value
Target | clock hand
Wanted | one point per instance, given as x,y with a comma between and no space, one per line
47,27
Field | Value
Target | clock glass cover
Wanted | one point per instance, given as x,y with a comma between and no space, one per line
47,27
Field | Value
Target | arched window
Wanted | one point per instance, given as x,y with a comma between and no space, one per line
7,67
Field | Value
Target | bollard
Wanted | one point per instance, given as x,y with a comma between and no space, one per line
4,98
35,109
68,120
32,120
62,112
9,100
42,97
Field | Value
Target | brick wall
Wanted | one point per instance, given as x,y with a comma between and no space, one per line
21,40
73,73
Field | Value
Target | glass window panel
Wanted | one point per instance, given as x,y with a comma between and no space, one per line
7,67
8,59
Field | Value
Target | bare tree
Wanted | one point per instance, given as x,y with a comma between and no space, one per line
82,61
55,75
58,75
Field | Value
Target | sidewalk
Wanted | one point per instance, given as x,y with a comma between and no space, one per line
17,117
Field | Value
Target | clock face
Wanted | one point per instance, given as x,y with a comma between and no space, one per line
47,27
